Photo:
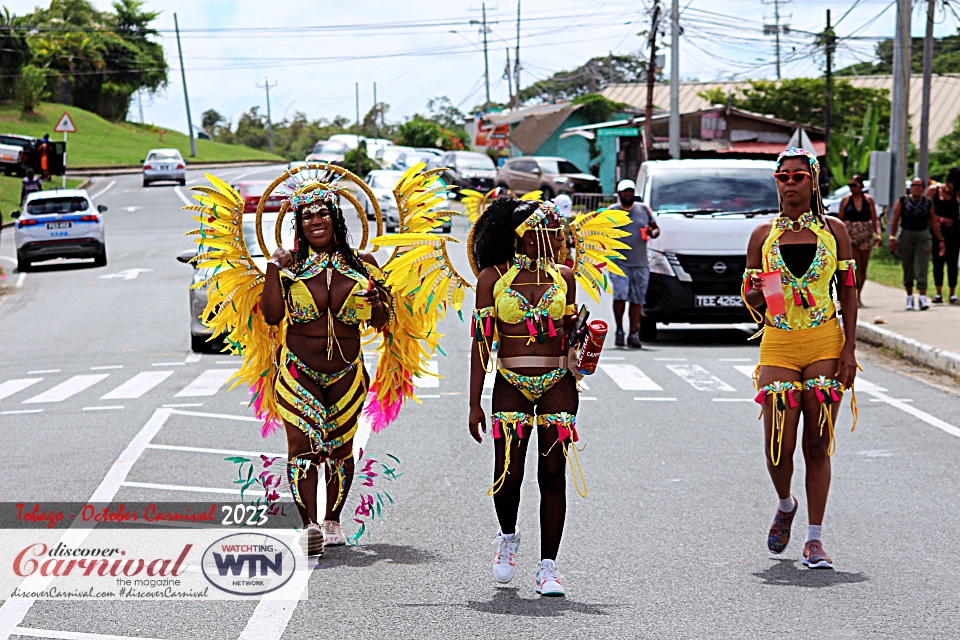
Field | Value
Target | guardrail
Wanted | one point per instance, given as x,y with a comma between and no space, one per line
593,201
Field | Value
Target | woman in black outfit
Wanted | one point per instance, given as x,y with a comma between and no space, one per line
859,215
946,203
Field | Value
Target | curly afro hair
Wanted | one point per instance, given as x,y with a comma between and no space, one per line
495,238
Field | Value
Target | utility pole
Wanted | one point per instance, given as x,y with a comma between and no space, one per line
268,86
651,76
675,80
509,78
186,98
516,61
924,159
830,42
486,60
776,28
899,129
376,125
356,87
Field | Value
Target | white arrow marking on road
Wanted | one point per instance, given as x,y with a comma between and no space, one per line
68,388
126,274
699,378
11,387
630,378
206,384
104,190
137,385
132,209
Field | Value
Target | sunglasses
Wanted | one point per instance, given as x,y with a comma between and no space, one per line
796,176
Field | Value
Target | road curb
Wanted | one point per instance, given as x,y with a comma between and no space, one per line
939,359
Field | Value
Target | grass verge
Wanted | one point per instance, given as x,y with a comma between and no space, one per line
885,269
100,143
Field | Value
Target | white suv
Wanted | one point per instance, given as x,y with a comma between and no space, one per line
59,224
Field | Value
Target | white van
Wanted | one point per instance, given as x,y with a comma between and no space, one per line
706,210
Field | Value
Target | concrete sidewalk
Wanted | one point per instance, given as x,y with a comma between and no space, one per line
930,337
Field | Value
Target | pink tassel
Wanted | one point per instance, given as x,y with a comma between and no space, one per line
851,278
819,395
473,329
497,433
553,332
793,403
796,298
562,432
487,330
520,430
576,436
810,298
760,397
293,370
533,333
834,396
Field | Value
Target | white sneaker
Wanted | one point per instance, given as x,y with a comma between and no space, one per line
311,540
923,303
549,579
505,562
909,306
333,534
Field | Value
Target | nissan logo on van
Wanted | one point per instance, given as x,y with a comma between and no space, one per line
719,267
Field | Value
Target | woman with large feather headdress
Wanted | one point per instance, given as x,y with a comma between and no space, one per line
299,324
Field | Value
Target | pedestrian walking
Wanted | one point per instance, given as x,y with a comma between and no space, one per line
43,149
946,205
30,184
632,286
859,215
807,360
914,220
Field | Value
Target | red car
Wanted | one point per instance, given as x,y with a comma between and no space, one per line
251,190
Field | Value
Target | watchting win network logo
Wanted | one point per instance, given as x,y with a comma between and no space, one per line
248,564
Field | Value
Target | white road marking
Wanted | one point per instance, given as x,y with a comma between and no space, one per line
13,610
206,384
430,378
613,358
588,398
873,390
583,385
225,416
185,404
488,379
16,411
734,360
220,452
32,373
104,190
70,387
106,407
168,364
670,359
234,362
733,400
109,366
70,635
11,387
745,369
656,399
183,198
20,279
630,378
898,399
195,357
132,209
699,378
180,487
126,274
138,385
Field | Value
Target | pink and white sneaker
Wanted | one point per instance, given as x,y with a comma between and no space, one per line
505,561
549,580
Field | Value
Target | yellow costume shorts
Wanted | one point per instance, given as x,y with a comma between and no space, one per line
799,348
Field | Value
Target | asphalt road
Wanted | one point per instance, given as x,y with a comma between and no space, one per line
670,542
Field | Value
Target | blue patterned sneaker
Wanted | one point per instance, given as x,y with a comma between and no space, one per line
815,557
779,535
505,562
549,579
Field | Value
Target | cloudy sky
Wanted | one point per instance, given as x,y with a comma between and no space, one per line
317,51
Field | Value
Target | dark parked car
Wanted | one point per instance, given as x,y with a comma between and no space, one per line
552,176
468,170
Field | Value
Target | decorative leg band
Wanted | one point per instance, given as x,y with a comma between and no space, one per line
338,470
566,425
297,468
781,394
828,392
509,425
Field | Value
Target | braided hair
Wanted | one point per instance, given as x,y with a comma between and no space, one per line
495,238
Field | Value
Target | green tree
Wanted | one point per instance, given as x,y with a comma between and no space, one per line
587,78
209,120
947,154
367,164
33,87
946,58
373,124
850,153
252,129
597,108
421,132
14,52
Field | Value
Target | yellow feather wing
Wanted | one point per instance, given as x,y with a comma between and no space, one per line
595,248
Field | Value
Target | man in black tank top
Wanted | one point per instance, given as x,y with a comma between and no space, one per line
915,218
946,206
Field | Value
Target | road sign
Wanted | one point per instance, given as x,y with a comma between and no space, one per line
618,133
65,124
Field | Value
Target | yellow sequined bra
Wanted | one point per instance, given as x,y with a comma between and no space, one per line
513,308
301,307
807,299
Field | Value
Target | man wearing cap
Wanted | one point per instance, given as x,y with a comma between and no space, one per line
632,287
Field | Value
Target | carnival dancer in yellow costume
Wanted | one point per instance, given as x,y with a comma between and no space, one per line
529,302
807,360
299,324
